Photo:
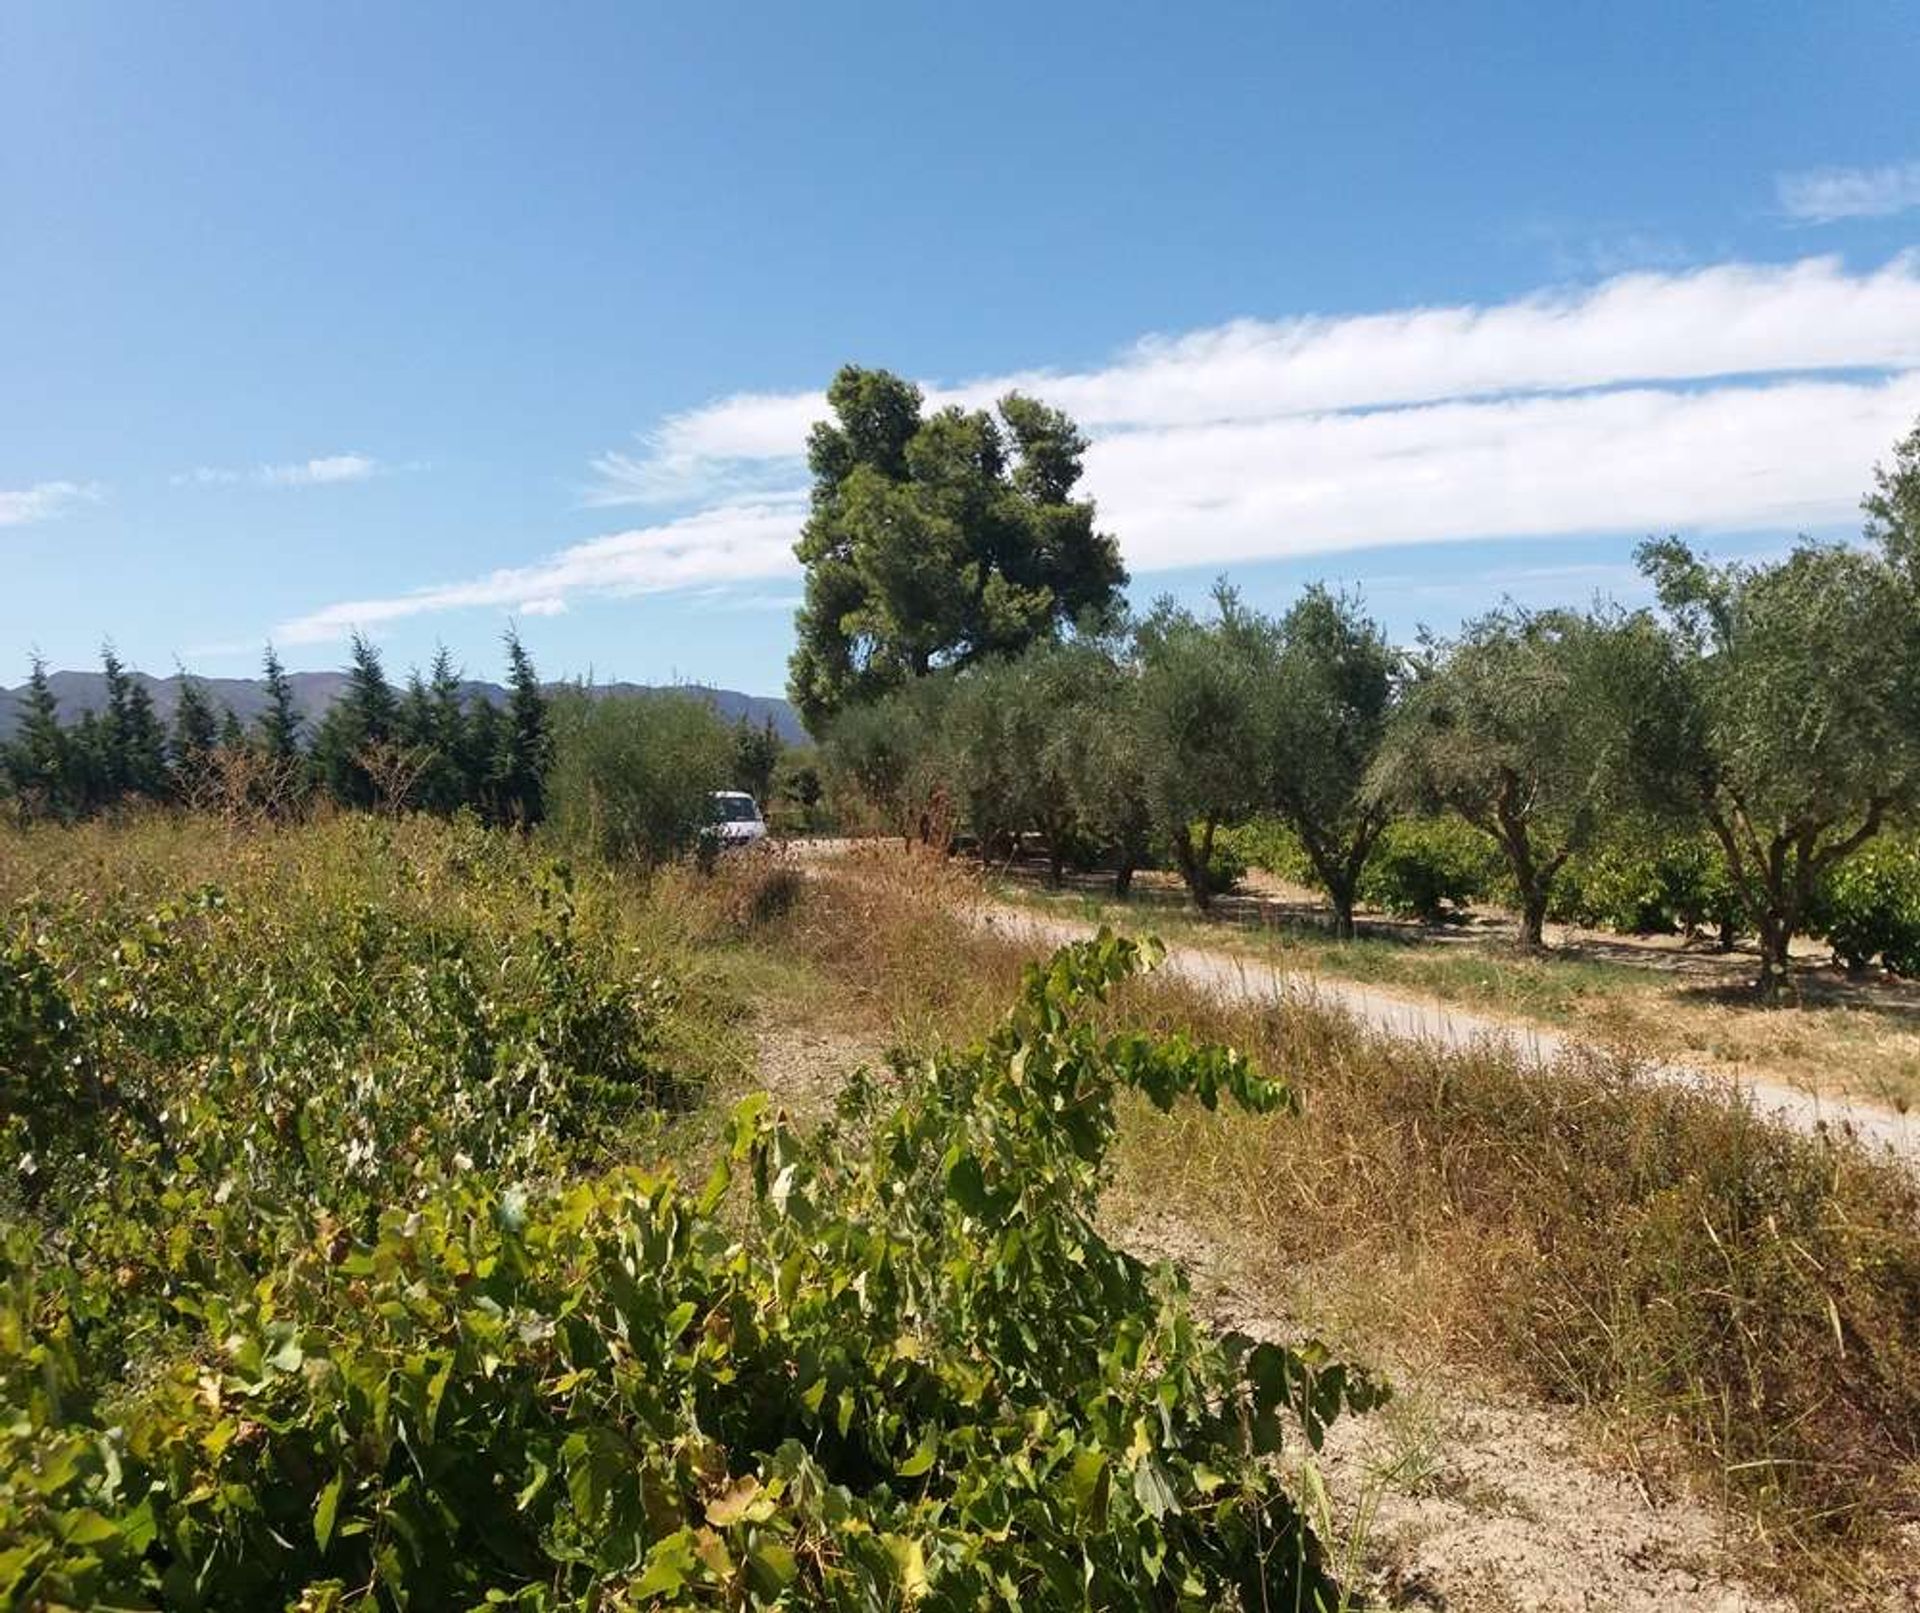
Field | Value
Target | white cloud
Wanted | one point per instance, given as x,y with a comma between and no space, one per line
1792,454
1729,320
319,472
733,542
1823,195
44,500
1734,398
548,605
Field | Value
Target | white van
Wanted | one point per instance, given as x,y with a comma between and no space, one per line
734,819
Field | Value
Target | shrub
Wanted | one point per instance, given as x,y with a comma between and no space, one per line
1642,881
1868,906
632,774
1426,868
1271,845
893,1365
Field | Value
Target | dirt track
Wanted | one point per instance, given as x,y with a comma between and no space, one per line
1418,1019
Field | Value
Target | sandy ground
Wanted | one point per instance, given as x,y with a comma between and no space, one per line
1454,1497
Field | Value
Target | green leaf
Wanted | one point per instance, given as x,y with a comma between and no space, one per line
325,1510
1152,1491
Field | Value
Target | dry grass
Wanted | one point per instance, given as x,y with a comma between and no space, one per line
1860,1039
1736,1306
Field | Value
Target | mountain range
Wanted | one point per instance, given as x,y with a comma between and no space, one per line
314,692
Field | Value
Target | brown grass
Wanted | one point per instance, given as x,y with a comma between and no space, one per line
1736,1305
1857,1038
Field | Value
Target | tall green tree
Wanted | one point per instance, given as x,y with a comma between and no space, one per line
280,721
526,742
1893,506
433,728
358,728
131,741
196,734
890,756
633,774
447,732
938,541
39,760
1793,724
757,749
1324,702
1095,741
1199,738
1530,726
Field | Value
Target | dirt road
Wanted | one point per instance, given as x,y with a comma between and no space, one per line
1418,1019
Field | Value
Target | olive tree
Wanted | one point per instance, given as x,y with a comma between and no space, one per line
1095,744
1526,727
1795,731
1324,699
889,757
1198,735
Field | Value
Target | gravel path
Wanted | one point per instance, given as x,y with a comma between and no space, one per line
1417,1019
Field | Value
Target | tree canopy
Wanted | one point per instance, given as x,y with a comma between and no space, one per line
938,540
1794,727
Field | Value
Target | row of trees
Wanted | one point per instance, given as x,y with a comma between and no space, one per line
1774,708
628,775
433,745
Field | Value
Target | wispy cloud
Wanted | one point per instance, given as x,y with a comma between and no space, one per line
1822,195
44,500
1732,398
733,542
1725,321
320,472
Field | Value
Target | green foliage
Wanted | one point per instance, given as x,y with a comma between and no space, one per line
632,773
799,790
1795,731
330,1324
280,723
938,541
1433,869
1531,727
757,750
1869,906
196,734
1325,699
1199,737
886,759
525,749
363,723
1644,879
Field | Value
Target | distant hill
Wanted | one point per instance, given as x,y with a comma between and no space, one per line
313,692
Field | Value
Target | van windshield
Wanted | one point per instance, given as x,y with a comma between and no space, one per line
735,809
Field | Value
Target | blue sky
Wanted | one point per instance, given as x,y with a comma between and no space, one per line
422,317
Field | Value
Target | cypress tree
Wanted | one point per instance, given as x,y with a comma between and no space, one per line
447,728
525,741
233,737
280,723
196,733
367,714
110,741
40,761
145,745
479,758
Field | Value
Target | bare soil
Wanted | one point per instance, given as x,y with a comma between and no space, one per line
1456,1495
